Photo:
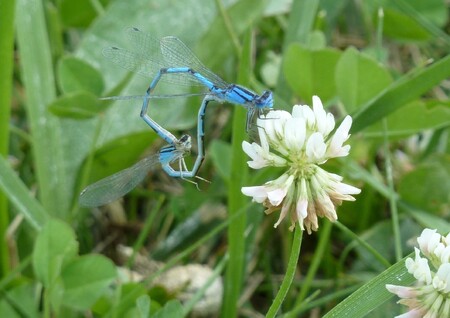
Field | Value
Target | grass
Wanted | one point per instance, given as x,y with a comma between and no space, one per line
393,84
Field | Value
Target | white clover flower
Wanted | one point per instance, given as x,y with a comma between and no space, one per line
428,241
419,268
300,141
430,297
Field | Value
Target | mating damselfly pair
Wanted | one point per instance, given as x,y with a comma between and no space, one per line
169,59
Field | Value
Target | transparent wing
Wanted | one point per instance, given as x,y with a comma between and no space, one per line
132,61
141,65
117,185
151,54
177,53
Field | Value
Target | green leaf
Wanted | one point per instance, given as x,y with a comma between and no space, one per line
415,186
300,25
6,310
55,246
85,279
427,220
376,237
172,309
311,72
359,78
119,154
220,154
129,294
375,291
23,297
433,10
316,40
80,105
403,27
76,75
77,13
242,14
430,14
398,94
143,306
415,117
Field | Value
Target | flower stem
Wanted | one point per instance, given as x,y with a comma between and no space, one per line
290,272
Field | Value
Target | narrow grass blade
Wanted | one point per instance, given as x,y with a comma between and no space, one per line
39,82
239,175
374,292
399,93
6,56
20,196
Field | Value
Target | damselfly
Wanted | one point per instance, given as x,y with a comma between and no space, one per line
169,59
117,185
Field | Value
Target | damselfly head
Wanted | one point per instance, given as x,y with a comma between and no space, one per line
185,143
265,100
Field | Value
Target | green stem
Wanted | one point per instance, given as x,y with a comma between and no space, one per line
388,162
392,200
238,178
46,300
369,248
98,7
6,70
324,240
290,272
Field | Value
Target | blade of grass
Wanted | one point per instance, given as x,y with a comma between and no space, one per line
404,7
20,197
6,56
402,91
310,304
145,230
358,239
374,292
39,82
16,272
202,291
239,175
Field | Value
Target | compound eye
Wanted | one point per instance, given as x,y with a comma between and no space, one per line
185,138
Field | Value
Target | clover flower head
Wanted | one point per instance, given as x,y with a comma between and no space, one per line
300,142
430,296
